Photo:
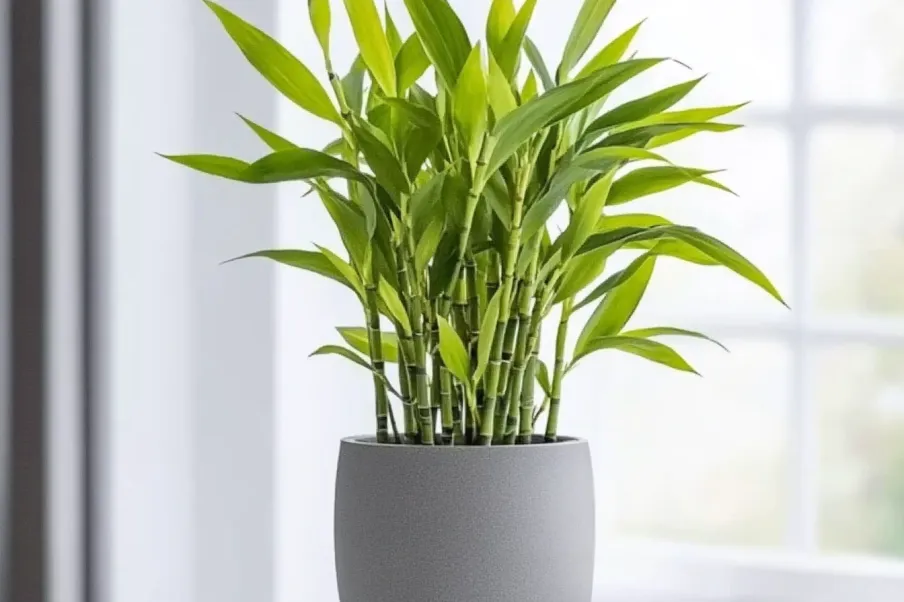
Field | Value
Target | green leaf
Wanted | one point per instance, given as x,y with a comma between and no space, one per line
510,49
349,222
286,73
583,221
372,43
611,53
387,169
583,32
497,195
393,303
319,11
520,125
485,337
443,36
300,164
651,180
453,352
337,148
344,268
343,352
529,90
543,377
645,348
641,108
411,62
311,261
501,98
392,32
615,280
580,272
428,243
357,339
612,240
698,115
470,103
215,165
353,86
271,139
424,200
617,307
653,136
659,331
499,20
537,62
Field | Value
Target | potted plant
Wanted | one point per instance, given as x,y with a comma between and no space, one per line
451,160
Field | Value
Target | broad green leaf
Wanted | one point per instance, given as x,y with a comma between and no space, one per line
311,261
651,180
581,271
631,220
641,108
520,125
372,43
510,49
698,115
392,32
470,103
393,303
343,352
428,243
485,337
727,257
501,98
353,86
271,139
543,377
387,170
496,193
589,20
357,339
539,65
615,280
644,136
611,53
549,265
662,331
215,165
611,240
529,89
319,12
499,20
350,223
285,72
583,221
421,133
411,62
424,200
300,164
645,348
337,148
443,36
613,313
344,268
453,352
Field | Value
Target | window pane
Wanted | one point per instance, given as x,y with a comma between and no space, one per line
758,224
689,458
856,53
860,391
858,219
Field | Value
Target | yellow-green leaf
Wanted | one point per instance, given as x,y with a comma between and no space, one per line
343,352
344,268
319,12
645,348
651,180
529,89
453,352
537,62
411,62
499,20
357,339
510,50
444,37
311,261
587,24
392,32
470,103
485,337
393,303
285,72
271,139
214,165
664,331
501,98
583,221
611,53
372,43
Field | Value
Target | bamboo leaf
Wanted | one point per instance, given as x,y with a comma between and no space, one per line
617,307
500,95
645,348
612,240
387,169
337,148
581,271
353,86
499,20
698,115
284,72
539,65
375,50
393,304
453,352
543,377
356,338
646,333
300,164
428,243
392,32
424,200
510,49
311,261
529,90
215,165
611,53
583,221
271,139
497,195
350,223
411,62
443,36
588,23
344,268
343,352
651,180
470,103
319,12
653,136
485,337
613,281
520,125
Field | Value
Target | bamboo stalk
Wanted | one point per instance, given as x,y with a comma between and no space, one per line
528,388
492,274
446,406
374,340
522,351
552,422
410,418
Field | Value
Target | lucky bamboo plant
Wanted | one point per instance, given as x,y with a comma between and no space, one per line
451,161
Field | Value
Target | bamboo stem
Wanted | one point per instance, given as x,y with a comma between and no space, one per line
374,340
552,422
446,406
522,351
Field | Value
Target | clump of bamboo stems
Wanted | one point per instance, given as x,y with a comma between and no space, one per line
453,162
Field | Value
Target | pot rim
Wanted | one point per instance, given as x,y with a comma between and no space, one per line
371,441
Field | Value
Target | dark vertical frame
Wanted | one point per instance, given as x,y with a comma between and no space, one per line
27,554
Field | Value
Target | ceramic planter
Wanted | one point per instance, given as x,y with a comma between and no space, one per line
464,524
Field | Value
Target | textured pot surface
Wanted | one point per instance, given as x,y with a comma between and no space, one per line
464,524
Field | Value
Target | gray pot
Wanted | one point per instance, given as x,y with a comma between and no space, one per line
464,524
